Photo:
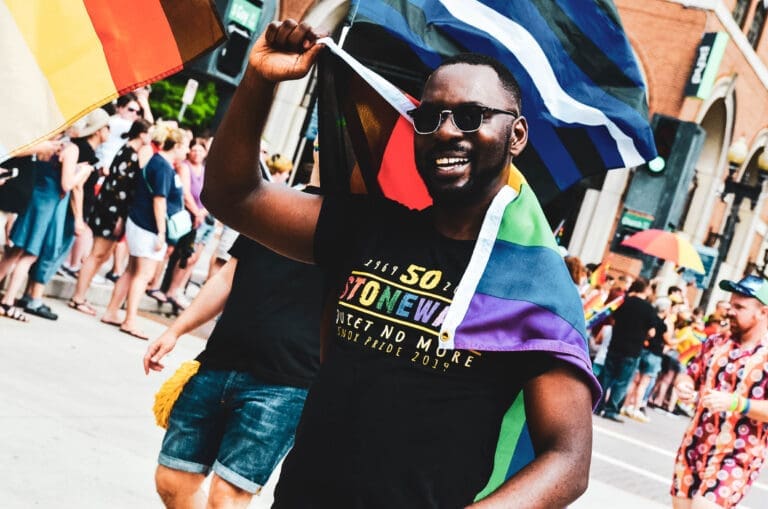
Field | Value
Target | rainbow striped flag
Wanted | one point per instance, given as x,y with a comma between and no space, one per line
598,276
64,58
583,94
493,309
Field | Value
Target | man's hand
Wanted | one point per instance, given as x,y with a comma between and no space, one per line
285,51
158,349
686,391
718,401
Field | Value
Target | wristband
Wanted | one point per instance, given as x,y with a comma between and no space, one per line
742,404
747,404
734,403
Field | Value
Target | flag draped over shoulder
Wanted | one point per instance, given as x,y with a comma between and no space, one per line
493,308
583,94
64,58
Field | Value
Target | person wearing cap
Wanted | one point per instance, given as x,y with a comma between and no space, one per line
110,208
44,233
724,447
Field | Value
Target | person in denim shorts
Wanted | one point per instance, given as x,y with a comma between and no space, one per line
650,364
237,415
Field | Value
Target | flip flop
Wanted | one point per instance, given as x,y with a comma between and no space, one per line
158,295
134,333
14,313
83,307
110,322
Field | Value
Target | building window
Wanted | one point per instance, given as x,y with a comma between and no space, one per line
756,30
740,12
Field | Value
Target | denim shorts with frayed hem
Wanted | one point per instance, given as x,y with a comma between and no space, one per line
234,424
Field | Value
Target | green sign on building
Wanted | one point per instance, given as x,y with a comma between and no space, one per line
244,13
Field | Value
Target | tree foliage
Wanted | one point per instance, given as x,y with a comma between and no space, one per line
165,101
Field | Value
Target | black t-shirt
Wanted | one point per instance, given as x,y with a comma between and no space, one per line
656,343
16,192
391,421
632,321
270,325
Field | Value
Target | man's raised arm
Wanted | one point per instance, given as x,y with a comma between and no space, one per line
234,191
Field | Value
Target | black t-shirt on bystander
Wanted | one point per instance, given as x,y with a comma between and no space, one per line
656,343
631,324
270,326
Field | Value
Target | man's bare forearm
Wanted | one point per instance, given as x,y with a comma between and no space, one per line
232,168
208,303
554,479
558,411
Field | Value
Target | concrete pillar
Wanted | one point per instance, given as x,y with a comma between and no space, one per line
700,210
583,222
593,229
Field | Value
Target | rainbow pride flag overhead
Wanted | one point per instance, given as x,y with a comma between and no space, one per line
583,93
493,308
64,58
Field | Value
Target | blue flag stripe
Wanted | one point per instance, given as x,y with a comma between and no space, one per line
580,87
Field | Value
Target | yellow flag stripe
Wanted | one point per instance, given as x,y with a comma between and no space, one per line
30,107
60,35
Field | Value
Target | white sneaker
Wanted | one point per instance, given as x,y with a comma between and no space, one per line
627,411
640,416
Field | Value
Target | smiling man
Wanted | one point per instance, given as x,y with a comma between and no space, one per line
393,420
725,444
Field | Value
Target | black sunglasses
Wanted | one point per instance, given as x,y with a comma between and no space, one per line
466,117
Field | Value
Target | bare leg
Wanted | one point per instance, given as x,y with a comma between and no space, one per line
145,268
181,276
681,503
80,249
102,248
630,400
120,259
225,495
179,489
157,278
8,261
702,503
120,292
9,220
17,277
640,385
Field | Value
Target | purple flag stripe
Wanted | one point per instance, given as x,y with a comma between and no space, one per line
494,324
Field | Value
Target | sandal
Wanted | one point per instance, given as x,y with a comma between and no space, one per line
14,313
83,307
134,333
110,322
158,295
177,306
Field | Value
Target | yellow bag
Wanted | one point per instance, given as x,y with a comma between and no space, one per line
170,390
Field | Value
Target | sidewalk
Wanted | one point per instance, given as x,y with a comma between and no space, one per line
76,419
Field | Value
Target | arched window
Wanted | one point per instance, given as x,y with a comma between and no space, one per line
740,12
758,22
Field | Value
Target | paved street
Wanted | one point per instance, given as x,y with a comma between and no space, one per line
78,431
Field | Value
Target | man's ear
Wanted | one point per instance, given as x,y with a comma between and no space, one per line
519,136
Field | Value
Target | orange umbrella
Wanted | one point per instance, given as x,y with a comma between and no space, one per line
667,246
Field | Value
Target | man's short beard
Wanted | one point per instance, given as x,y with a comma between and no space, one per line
477,188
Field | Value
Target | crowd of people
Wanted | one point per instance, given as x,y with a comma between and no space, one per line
107,189
125,186
653,350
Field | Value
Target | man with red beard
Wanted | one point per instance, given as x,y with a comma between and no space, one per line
724,447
